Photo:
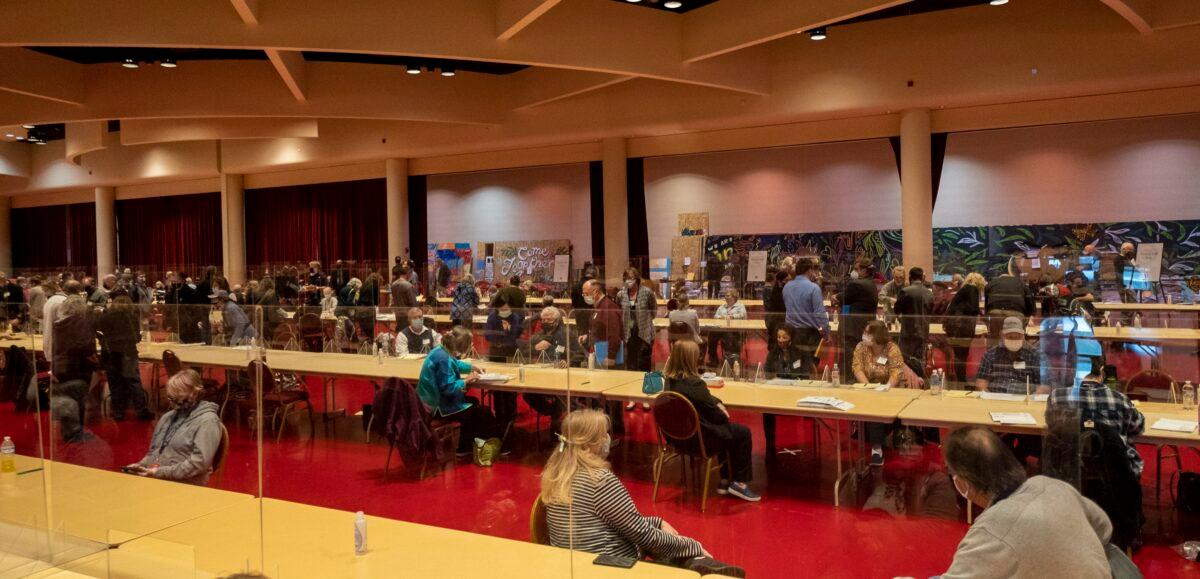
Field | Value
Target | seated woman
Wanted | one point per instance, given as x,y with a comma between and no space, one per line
783,361
443,390
720,435
877,360
186,438
686,315
588,509
503,332
730,342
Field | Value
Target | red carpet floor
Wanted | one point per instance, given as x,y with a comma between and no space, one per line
905,521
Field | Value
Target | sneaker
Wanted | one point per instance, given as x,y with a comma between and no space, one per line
742,491
646,406
629,406
723,487
710,566
877,456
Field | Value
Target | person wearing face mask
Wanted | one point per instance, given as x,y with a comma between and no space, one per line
1031,527
720,434
878,360
551,345
503,332
806,315
960,320
1007,367
638,308
604,339
783,361
442,390
729,341
1123,265
511,294
588,508
416,337
186,438
859,300
913,308
891,292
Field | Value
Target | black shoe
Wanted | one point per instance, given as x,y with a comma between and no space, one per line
710,566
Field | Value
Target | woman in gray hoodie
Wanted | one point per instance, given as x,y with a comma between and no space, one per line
186,438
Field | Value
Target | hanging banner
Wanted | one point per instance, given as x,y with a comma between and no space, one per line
456,256
529,259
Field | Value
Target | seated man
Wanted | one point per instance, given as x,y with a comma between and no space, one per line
1032,527
552,345
1103,405
1007,368
416,337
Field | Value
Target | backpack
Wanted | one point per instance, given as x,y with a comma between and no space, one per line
1186,492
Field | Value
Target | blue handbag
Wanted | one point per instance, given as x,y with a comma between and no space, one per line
652,383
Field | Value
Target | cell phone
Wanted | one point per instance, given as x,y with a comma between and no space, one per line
131,469
615,561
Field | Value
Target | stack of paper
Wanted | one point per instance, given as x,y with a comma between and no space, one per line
829,402
1174,425
1024,418
781,382
494,377
1002,396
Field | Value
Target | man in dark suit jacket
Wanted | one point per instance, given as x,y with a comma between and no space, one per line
913,307
859,301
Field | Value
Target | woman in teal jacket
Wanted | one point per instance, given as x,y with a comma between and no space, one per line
443,390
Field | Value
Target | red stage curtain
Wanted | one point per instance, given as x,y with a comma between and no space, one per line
180,233
55,237
326,222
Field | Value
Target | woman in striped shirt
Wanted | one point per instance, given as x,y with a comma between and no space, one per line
588,509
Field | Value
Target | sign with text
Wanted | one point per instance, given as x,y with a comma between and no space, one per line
756,269
562,268
534,260
1149,259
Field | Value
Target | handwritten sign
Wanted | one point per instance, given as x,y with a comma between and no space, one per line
534,260
1149,259
756,269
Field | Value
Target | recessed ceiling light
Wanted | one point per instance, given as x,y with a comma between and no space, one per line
817,34
672,4
998,2
168,63
633,1
447,71
412,69
129,63
26,126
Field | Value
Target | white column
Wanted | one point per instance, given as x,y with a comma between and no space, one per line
397,210
106,231
616,210
6,262
233,228
916,190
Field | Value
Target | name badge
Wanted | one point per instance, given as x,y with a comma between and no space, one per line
1019,365
882,360
796,365
425,341
560,349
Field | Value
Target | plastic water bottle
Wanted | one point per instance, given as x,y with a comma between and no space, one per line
521,374
836,379
378,354
591,360
360,533
737,370
8,452
935,383
1137,320
1189,395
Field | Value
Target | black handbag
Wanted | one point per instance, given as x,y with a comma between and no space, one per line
1186,491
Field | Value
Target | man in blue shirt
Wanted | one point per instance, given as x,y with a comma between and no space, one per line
806,315
1007,368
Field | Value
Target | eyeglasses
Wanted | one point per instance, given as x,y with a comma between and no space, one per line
174,401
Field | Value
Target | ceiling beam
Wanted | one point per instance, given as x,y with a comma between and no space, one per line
642,43
1135,12
539,86
512,16
41,76
731,25
291,67
247,10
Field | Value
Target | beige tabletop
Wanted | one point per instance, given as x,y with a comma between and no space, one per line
305,541
869,404
1154,307
104,505
951,412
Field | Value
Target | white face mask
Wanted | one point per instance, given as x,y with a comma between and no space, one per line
854,274
628,284
605,447
589,300
954,481
1013,344
505,313
867,339
417,325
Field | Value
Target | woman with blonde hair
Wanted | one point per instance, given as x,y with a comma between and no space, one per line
961,317
588,509
720,435
186,438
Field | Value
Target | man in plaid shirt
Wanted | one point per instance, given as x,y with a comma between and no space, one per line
1102,405
1007,368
